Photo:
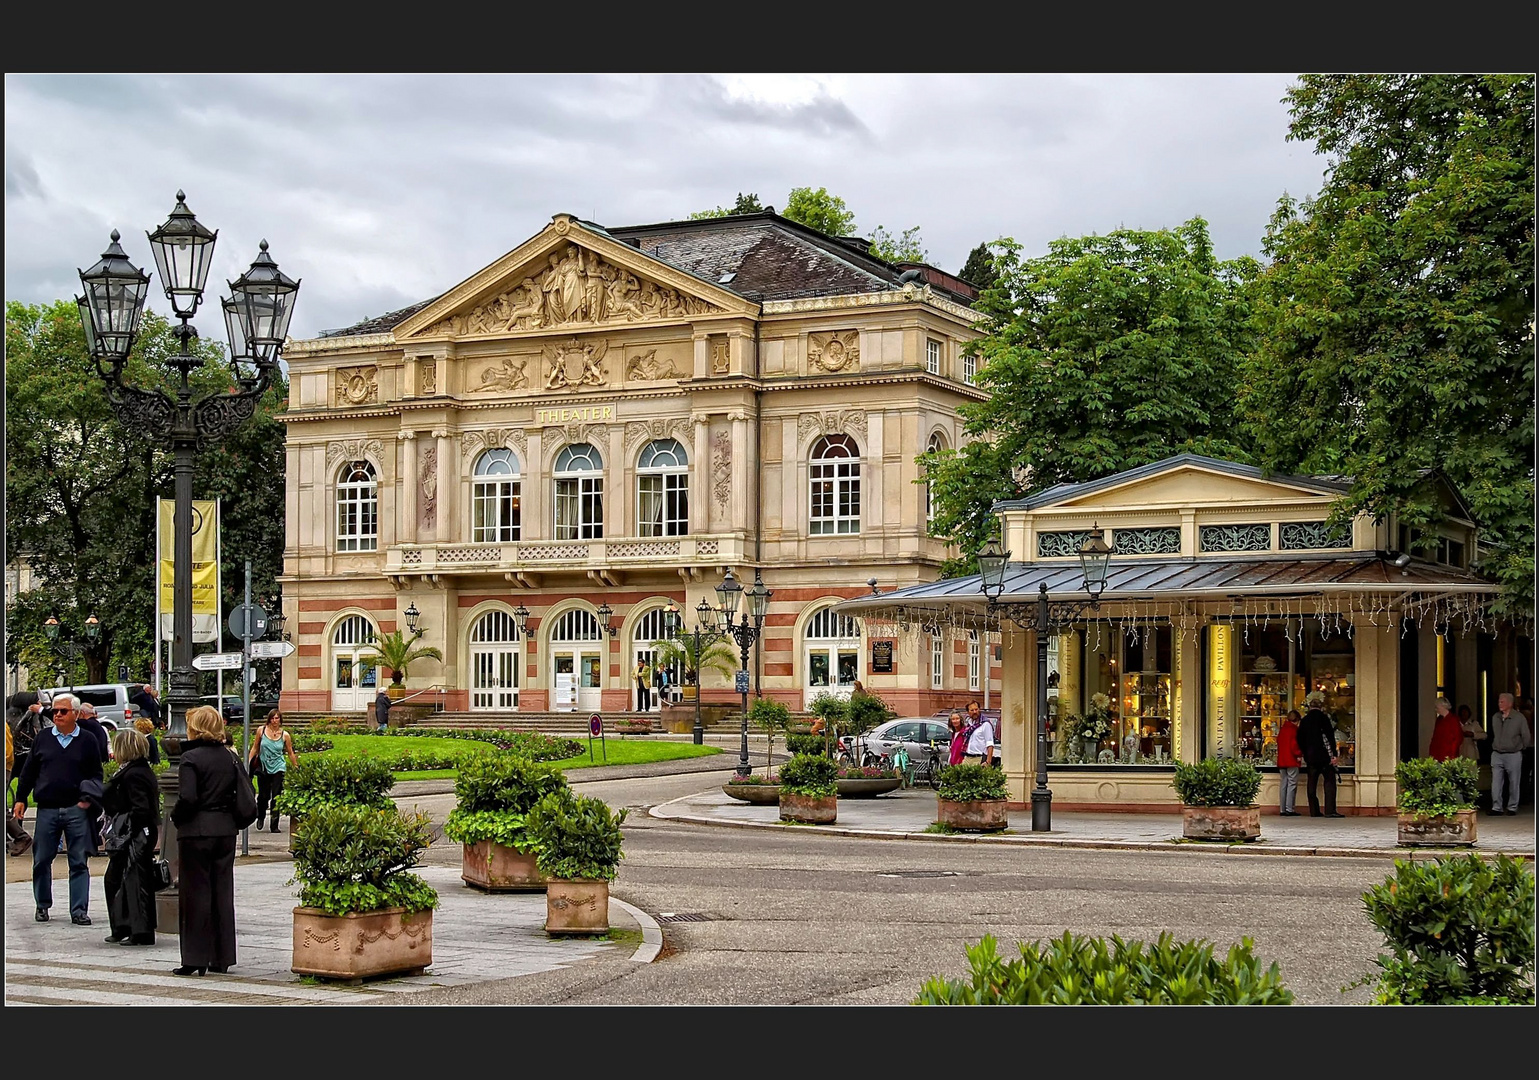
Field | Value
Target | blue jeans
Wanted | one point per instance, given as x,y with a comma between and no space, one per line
75,824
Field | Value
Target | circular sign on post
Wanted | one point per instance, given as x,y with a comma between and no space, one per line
595,724
237,621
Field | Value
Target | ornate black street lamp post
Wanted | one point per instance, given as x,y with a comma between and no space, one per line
257,319
743,626
69,647
1044,618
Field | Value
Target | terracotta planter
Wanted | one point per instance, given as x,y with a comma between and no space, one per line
386,942
576,906
974,815
1221,822
499,868
1457,830
809,809
756,794
866,789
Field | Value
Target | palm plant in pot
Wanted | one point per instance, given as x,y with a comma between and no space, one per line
576,840
493,796
809,790
972,798
681,650
1436,802
361,911
1218,799
397,652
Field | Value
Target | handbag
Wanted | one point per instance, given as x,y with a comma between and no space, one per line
244,806
118,832
160,871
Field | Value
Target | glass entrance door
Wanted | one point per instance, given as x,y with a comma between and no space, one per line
589,682
494,679
577,681
354,680
832,670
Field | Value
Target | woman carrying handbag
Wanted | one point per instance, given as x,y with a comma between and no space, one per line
131,801
272,752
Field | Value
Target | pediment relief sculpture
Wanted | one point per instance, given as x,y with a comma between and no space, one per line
833,422
573,364
638,431
354,450
473,442
648,367
357,385
503,375
837,351
577,287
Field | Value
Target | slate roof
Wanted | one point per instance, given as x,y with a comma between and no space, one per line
768,257
1328,485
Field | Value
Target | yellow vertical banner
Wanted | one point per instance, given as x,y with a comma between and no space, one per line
205,568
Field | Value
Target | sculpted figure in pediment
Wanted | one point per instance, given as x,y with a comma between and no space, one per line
509,375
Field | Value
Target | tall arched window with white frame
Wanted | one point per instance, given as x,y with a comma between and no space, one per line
937,660
495,498
662,489
935,443
833,654
357,507
834,473
579,475
974,660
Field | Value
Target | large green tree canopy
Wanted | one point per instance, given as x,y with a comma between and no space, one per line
1106,353
1396,313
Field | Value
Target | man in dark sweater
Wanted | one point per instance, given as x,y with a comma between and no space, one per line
63,758
1317,742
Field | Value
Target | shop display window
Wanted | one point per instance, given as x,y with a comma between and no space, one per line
1133,676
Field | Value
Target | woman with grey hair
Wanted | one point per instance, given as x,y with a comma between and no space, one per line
132,803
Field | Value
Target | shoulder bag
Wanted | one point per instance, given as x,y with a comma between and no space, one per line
244,807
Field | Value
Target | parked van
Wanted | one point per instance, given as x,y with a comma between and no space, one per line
110,699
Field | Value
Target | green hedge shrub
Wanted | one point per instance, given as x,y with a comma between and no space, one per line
1217,782
493,795
530,744
811,775
1431,788
355,859
575,837
807,744
972,783
1460,929
1074,970
339,780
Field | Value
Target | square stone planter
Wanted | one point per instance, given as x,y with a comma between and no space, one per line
386,942
975,815
1227,823
499,868
576,907
809,809
1457,830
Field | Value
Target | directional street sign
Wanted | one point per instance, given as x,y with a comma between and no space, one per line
271,650
214,661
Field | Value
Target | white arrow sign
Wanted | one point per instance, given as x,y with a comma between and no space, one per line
271,650
214,661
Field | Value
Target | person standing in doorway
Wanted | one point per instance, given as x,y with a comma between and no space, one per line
1447,735
1288,762
381,711
1509,738
272,752
63,760
643,676
1317,742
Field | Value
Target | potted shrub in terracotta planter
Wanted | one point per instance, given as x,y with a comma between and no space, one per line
494,793
576,839
972,798
756,789
338,780
1218,799
866,781
361,911
809,790
1436,802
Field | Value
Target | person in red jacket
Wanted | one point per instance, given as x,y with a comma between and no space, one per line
1447,733
1288,762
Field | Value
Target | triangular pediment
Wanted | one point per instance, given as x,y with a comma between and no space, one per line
1189,485
569,277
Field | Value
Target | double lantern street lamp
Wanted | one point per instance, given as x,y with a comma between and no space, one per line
728,619
256,318
1044,617
69,648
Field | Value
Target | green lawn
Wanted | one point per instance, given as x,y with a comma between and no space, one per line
415,749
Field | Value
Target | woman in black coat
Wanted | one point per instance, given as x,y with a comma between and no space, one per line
130,878
205,817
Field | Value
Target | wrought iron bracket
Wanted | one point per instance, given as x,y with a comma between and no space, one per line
1060,613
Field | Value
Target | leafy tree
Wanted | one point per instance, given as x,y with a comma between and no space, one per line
905,248
1397,311
746,204
1106,353
819,210
979,268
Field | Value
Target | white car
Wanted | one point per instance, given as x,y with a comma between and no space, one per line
110,699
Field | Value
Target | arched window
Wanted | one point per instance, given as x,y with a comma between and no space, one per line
579,624
353,630
662,481
833,654
495,498
354,666
494,662
357,508
650,628
579,493
934,444
835,475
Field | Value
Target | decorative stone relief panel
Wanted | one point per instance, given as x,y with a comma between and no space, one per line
648,367
473,442
837,421
573,364
503,375
1234,538
1057,545
640,431
837,351
721,355
427,503
554,437
357,385
1165,540
577,287
721,468
1308,535
428,381
353,449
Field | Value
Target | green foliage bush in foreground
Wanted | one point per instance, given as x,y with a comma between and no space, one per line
530,744
356,859
1074,970
810,775
972,783
575,837
340,780
1432,788
1217,782
802,743
493,794
1460,930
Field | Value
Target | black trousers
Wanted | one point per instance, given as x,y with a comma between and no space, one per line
206,912
643,697
1315,772
269,787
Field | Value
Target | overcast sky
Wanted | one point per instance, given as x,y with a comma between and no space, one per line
379,191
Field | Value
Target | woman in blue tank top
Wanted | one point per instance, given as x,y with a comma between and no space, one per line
271,752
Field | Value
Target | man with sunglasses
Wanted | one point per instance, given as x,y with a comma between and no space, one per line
62,760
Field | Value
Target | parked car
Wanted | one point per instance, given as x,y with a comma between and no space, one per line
111,700
915,735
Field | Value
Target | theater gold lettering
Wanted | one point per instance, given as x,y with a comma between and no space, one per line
593,413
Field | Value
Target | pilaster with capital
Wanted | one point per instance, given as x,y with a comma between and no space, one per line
406,454
448,485
700,498
742,482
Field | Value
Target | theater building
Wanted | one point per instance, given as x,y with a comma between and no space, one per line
1229,600
603,422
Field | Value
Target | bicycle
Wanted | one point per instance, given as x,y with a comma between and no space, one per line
929,769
